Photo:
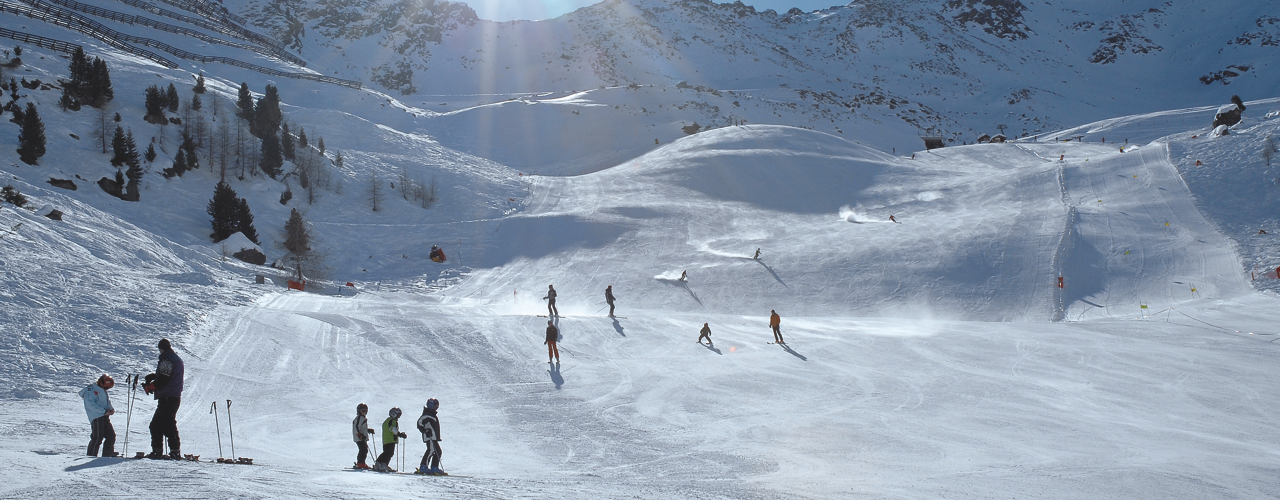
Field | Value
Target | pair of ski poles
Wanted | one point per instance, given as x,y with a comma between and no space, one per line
213,408
130,381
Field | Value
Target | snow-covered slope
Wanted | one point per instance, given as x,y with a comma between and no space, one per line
923,359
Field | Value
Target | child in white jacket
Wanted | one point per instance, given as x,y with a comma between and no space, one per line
97,406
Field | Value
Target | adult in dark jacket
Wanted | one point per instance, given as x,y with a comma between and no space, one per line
552,334
166,385
705,333
551,301
608,297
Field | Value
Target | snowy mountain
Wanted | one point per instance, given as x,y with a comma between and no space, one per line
1087,313
880,71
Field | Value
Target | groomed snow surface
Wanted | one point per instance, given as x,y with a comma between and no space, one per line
930,358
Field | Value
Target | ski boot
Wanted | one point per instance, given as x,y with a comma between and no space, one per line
361,467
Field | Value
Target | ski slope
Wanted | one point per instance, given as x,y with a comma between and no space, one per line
933,357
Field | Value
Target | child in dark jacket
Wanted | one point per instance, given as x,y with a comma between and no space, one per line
429,426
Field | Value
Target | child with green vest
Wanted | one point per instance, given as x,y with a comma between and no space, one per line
390,437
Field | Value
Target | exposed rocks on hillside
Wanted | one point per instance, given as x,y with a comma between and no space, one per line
1267,34
1225,75
1229,114
1002,18
1124,35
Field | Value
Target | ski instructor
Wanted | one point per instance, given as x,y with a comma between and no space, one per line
166,384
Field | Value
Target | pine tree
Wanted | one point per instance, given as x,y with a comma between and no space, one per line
179,166
302,137
100,91
188,145
195,102
68,100
81,71
131,156
171,98
286,142
297,239
244,220
199,88
150,155
31,140
155,103
337,160
266,113
118,147
244,104
135,178
224,212
272,161
320,144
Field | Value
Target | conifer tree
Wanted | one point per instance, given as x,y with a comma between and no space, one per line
297,239
302,137
266,113
118,147
31,140
68,100
195,102
199,88
320,144
286,142
244,104
81,70
171,98
150,155
100,92
189,145
244,220
155,103
135,178
131,156
179,165
271,158
224,212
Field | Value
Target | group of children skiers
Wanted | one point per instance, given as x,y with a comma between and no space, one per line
428,425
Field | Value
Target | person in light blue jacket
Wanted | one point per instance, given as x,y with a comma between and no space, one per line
97,406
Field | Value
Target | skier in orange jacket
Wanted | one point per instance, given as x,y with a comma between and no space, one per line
775,322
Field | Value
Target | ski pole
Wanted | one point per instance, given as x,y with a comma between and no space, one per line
232,431
213,408
128,416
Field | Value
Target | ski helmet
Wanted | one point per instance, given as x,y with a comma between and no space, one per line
362,408
106,382
433,403
394,413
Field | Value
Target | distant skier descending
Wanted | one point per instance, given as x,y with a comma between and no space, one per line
97,405
608,298
684,275
775,322
551,301
166,384
552,334
705,333
391,435
361,431
429,426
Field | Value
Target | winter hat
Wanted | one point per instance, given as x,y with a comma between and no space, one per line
361,408
164,345
106,382
433,404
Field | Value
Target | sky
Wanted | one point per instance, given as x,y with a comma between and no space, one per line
510,10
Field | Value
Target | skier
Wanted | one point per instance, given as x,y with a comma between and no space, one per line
360,431
706,332
775,322
892,219
551,301
757,257
97,405
684,275
552,334
608,297
390,436
429,426
437,255
166,384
